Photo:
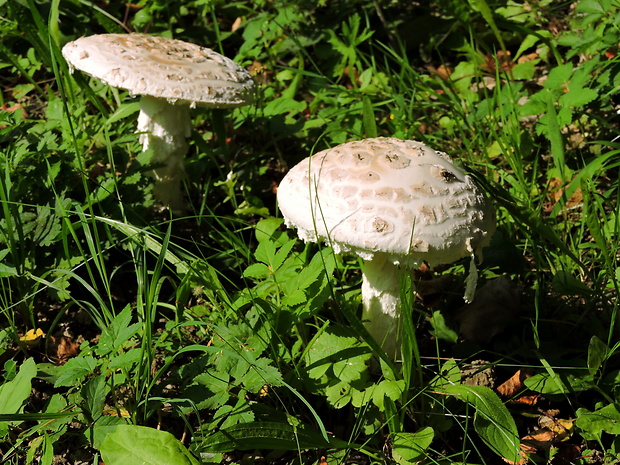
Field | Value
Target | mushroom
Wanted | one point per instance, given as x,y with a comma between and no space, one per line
395,203
172,76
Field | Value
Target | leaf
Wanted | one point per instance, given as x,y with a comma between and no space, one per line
284,105
257,270
268,435
368,118
441,330
606,419
492,420
393,390
337,349
139,445
482,7
94,393
597,354
261,373
15,392
74,370
577,97
32,335
409,448
118,332
554,384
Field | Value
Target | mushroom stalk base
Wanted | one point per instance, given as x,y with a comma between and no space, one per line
164,128
382,304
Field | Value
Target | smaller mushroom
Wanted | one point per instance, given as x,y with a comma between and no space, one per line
172,76
396,204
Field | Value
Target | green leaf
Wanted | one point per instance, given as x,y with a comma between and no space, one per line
391,389
118,332
410,448
268,229
482,7
577,97
492,420
268,435
606,419
554,384
257,270
284,105
441,330
139,445
74,370
94,393
261,373
337,349
14,393
597,354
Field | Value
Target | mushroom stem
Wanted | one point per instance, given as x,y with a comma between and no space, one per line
164,127
381,303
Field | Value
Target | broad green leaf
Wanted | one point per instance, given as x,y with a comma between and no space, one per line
410,448
336,348
94,393
606,419
340,393
268,435
492,420
74,370
139,445
440,328
449,374
257,270
597,353
577,97
590,7
260,373
267,229
558,78
14,393
391,389
556,384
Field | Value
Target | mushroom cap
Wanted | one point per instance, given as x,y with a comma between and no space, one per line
177,71
389,196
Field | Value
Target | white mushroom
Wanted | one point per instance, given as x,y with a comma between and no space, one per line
393,203
172,76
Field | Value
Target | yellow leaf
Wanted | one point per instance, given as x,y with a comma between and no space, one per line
31,335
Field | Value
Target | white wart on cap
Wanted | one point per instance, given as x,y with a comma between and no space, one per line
392,202
172,76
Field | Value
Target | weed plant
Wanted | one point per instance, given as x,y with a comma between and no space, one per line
130,335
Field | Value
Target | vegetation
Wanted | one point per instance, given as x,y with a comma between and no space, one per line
132,336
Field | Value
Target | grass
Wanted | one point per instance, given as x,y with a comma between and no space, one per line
218,337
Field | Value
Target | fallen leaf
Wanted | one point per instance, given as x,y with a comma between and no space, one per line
557,192
541,439
501,58
442,71
62,348
236,24
32,337
513,385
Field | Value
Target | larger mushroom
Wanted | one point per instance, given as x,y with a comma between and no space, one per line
172,76
395,203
